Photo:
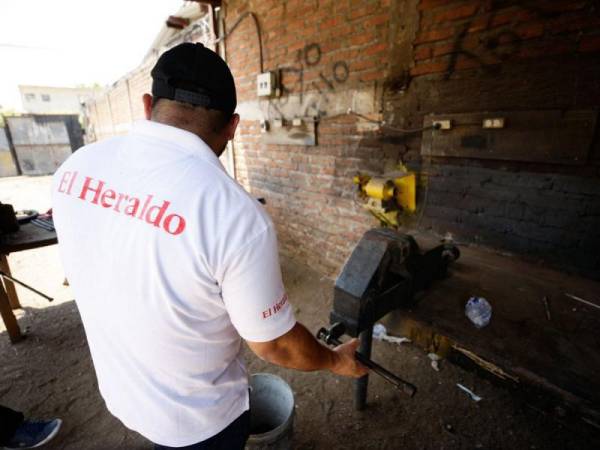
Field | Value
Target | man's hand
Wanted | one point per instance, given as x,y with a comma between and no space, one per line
299,349
345,362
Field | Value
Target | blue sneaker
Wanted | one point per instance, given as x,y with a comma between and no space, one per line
33,433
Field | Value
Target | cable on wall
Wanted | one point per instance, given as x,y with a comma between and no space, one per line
258,34
382,124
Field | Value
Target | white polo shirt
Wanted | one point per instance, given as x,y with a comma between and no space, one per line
170,261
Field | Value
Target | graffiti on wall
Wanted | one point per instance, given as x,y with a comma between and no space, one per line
498,45
314,95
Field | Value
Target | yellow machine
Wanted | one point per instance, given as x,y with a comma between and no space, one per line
388,197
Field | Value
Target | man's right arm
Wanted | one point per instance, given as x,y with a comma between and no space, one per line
298,349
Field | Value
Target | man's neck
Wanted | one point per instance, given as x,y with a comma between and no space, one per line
211,141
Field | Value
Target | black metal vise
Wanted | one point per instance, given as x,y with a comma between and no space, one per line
383,272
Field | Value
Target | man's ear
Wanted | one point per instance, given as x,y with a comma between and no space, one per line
232,126
147,100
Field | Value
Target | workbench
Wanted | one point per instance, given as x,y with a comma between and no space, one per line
28,237
554,349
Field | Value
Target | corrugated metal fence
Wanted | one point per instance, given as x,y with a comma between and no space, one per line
8,167
41,143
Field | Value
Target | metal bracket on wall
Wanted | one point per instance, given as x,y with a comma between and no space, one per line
299,131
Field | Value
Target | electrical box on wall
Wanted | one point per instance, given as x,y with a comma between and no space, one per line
266,84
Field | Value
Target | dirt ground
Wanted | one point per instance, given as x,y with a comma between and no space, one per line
50,374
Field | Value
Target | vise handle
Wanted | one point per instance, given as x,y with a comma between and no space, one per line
330,337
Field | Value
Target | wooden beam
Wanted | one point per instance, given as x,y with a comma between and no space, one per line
8,285
213,3
14,332
177,22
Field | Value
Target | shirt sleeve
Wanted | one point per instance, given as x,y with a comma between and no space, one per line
253,291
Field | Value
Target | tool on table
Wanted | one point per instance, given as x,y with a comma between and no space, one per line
26,286
26,215
44,222
331,337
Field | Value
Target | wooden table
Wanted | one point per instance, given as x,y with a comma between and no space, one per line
28,237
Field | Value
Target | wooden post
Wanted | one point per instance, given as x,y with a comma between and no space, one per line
9,285
14,332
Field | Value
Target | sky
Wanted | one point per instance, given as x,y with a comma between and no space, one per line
71,42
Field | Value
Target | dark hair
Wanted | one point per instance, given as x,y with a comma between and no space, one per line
217,119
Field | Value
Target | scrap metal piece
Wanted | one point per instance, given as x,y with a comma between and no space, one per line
26,286
579,299
470,393
546,307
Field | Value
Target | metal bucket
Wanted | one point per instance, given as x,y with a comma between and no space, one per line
271,413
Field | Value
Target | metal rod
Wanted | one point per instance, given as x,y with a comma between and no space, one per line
362,357
547,308
579,299
14,280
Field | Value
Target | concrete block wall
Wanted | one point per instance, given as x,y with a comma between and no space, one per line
547,217
470,56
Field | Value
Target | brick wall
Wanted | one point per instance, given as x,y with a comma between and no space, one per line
113,111
417,58
308,189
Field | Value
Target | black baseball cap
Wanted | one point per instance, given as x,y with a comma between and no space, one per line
191,73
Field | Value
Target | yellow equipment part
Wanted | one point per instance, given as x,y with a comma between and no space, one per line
389,196
379,189
406,192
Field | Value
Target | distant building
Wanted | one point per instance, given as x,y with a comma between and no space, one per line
54,100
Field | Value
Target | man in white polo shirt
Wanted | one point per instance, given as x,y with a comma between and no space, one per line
171,262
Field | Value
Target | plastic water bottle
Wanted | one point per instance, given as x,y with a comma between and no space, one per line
479,311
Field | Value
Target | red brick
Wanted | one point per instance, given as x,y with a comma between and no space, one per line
356,13
590,44
375,48
435,35
455,13
464,62
530,30
569,23
428,68
428,51
330,23
429,4
510,16
378,19
479,24
554,6
360,39
364,64
423,53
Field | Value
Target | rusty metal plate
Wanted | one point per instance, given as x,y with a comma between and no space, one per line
304,134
